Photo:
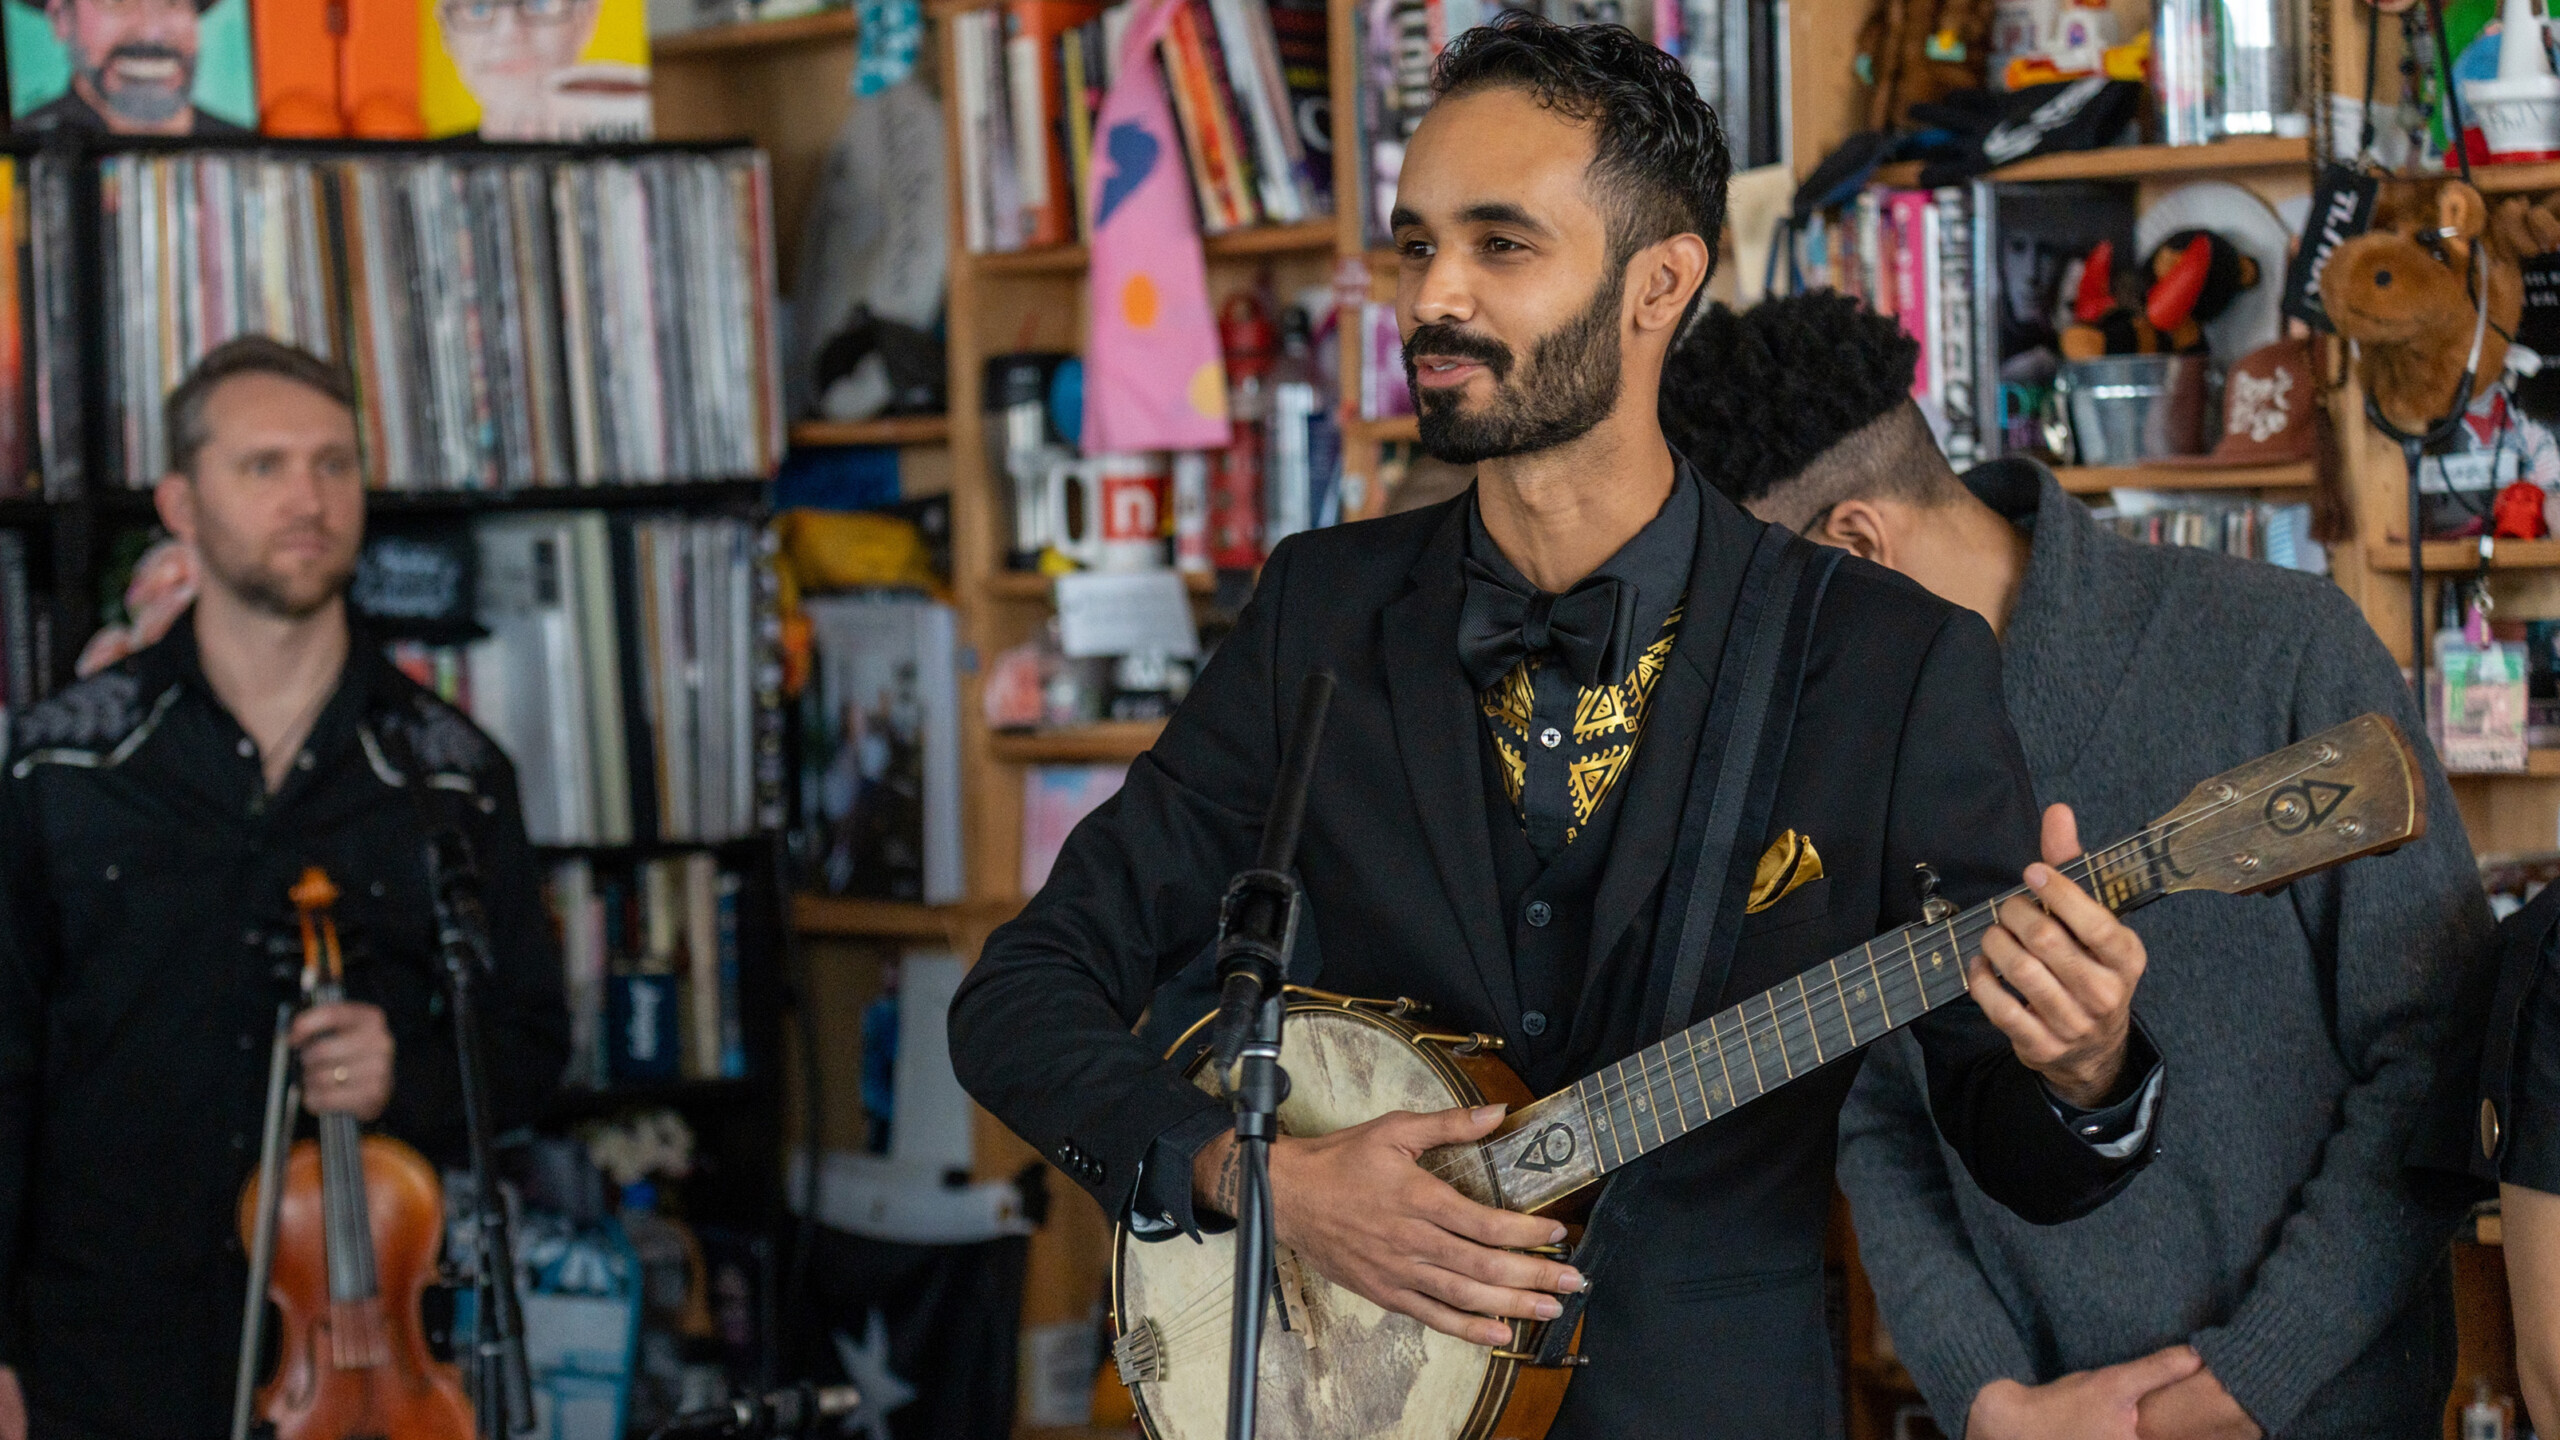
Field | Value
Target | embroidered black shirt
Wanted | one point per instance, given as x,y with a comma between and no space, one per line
145,941
1560,746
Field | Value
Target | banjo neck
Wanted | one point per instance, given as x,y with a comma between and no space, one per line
2348,791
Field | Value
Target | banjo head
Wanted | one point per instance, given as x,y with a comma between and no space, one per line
1347,1367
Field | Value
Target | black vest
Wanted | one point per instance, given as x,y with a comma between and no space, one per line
1546,915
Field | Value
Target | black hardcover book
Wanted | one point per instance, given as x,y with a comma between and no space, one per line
640,743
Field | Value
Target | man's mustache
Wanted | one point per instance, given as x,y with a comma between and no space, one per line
144,50
1457,344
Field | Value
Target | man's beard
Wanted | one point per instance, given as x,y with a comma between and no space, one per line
145,103
1569,385
263,589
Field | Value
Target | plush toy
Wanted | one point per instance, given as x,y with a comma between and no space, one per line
2403,292
2106,313
1916,52
2190,278
2195,275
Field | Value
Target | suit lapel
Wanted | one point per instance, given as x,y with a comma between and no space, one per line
1435,722
1657,784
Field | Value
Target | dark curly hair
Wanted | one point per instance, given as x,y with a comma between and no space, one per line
1659,156
1754,397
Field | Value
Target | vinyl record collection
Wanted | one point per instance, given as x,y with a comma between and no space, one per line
625,672
1247,80
610,320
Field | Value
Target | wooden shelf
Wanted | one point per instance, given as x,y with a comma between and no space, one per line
2538,765
2512,179
2134,162
845,916
1110,740
895,430
1031,585
2099,479
724,40
2463,556
1312,235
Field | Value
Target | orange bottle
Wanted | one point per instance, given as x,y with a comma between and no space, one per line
297,67
378,67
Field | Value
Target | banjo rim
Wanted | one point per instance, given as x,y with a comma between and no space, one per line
1493,1395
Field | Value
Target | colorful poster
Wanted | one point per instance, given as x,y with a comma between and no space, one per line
1153,376
134,67
534,69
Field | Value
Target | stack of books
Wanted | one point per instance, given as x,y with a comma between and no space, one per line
649,954
624,673
1249,84
609,321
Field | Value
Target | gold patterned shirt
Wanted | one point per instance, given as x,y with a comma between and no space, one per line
1561,747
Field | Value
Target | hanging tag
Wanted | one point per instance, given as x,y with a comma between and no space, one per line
2341,209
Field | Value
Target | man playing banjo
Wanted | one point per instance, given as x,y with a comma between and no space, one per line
1528,675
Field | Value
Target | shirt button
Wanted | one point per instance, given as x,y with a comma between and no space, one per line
1540,912
247,748
302,761
239,1142
1551,737
249,938
115,872
376,889
1534,1023
247,1040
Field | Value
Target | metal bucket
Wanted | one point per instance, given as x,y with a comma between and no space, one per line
2126,409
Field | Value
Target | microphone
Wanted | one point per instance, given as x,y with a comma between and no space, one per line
795,1411
453,884
1258,922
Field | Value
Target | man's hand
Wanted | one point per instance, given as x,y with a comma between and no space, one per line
2088,1405
2196,1408
346,1061
2057,976
13,1406
1354,1205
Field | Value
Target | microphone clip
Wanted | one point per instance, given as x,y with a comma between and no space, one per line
1257,931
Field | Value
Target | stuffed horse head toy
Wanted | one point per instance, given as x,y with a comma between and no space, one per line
2404,292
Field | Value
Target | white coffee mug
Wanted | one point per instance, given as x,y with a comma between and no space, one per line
1108,512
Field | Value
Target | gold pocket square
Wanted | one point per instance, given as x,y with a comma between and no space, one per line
1789,861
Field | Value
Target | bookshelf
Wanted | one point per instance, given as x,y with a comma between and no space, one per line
731,82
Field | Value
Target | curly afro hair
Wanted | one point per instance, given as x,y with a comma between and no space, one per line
1753,397
1659,155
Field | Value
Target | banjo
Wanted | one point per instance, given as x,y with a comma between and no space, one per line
1343,1366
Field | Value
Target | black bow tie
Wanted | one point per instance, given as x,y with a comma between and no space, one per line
1587,626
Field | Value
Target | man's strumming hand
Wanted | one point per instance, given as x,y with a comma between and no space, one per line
2104,1404
346,1052
13,1406
1356,1206
2057,976
2196,1408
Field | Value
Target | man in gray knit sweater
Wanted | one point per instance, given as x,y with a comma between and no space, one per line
2274,1272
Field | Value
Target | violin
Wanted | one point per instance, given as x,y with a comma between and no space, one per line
359,1220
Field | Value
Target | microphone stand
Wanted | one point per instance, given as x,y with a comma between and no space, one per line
501,1379
1257,928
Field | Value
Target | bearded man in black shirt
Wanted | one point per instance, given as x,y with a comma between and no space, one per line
152,819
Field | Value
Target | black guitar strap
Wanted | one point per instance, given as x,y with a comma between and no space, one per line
1733,786
1734,782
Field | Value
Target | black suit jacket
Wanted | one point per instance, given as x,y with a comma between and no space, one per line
1901,753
